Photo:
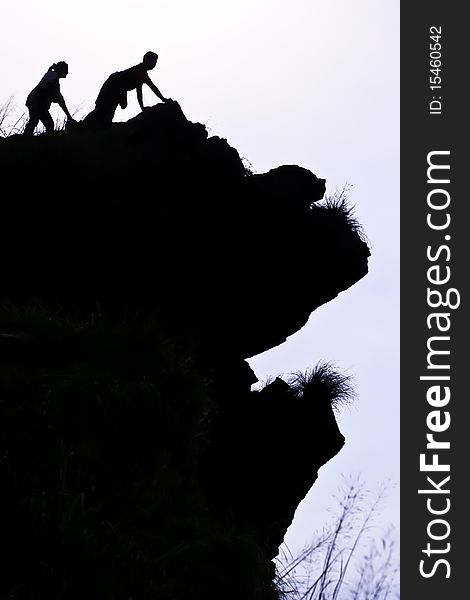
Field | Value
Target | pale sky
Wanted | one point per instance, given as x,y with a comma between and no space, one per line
310,82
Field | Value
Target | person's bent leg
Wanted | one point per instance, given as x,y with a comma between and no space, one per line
47,121
32,123
104,114
110,112
110,97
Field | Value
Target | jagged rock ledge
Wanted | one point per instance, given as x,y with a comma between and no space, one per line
154,215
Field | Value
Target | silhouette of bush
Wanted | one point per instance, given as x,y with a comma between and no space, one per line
346,561
339,206
11,121
323,382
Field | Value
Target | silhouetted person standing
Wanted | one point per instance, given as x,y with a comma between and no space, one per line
43,95
114,90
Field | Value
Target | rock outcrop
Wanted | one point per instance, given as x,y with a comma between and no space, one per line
140,266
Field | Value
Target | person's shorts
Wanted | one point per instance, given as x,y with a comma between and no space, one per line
112,93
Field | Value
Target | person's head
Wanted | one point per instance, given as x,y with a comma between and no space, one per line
150,60
61,68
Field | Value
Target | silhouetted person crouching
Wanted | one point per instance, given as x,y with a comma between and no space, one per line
43,95
114,91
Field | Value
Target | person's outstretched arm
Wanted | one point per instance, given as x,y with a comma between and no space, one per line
140,100
155,90
63,106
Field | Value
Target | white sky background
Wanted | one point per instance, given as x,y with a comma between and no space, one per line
310,82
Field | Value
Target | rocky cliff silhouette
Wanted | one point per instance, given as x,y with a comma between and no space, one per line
140,266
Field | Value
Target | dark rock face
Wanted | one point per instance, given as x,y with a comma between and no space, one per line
140,266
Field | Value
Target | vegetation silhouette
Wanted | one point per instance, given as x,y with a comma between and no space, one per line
352,558
113,93
43,95
135,457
